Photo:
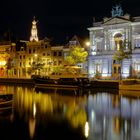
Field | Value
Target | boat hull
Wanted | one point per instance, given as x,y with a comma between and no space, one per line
62,82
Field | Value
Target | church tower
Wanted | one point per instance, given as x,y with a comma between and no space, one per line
34,36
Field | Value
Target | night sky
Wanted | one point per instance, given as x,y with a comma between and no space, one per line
57,19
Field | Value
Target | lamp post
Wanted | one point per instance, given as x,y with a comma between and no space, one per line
87,43
35,63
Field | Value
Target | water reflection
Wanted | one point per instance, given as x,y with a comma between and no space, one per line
115,117
43,107
100,115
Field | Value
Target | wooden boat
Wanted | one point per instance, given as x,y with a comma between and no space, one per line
6,102
70,82
44,80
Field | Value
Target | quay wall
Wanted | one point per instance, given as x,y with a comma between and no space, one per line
93,84
16,81
104,84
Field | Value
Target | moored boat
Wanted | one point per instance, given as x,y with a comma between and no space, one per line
6,102
61,81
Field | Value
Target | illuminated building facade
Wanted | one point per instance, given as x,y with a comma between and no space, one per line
109,36
16,59
38,51
7,58
52,56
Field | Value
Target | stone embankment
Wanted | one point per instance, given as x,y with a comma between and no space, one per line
112,84
16,81
130,84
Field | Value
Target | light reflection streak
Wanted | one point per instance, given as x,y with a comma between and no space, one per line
34,109
86,129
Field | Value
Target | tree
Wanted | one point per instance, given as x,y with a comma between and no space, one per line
37,65
9,65
77,55
122,54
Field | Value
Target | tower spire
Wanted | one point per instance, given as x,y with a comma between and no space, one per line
34,36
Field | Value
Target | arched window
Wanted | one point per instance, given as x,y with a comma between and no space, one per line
118,40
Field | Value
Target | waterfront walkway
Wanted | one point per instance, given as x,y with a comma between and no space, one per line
130,85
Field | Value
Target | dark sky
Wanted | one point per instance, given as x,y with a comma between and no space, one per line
58,19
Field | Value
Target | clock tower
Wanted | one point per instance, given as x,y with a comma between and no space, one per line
34,36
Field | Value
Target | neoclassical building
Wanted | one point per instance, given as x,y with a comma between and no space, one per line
109,36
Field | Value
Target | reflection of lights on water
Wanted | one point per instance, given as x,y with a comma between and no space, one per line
104,120
32,124
86,129
34,109
125,126
92,115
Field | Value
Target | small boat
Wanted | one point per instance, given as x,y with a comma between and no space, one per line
6,103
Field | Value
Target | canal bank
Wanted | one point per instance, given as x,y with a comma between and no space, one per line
111,84
16,81
133,85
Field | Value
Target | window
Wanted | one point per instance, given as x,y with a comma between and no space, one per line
118,38
22,48
137,42
119,69
60,54
29,51
20,57
114,69
60,62
23,64
43,54
114,61
54,53
23,56
55,63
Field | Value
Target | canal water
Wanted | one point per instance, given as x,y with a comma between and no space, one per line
60,114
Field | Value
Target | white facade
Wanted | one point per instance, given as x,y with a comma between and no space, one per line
106,37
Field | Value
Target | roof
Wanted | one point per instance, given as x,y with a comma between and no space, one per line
74,41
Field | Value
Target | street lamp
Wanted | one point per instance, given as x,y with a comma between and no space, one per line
87,44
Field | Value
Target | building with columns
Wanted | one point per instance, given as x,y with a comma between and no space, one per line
120,31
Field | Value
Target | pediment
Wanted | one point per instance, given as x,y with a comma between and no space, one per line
116,20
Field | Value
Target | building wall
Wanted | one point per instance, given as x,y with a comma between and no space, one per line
105,38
